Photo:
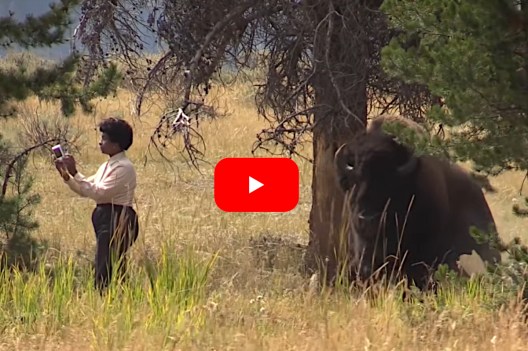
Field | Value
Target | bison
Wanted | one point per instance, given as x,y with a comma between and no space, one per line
409,213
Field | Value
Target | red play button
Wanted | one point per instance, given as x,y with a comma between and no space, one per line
256,184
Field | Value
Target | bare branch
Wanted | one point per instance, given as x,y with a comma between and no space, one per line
10,166
303,46
38,127
158,67
219,26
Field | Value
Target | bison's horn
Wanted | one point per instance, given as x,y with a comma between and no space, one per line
409,166
340,158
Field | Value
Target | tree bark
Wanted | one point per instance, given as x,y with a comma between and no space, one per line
328,245
340,86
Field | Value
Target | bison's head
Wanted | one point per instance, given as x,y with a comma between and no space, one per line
378,173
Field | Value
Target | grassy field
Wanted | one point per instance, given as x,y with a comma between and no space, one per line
200,278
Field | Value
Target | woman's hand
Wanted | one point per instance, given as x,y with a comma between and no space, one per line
70,164
59,164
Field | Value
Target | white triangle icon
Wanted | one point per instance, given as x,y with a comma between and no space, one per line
254,184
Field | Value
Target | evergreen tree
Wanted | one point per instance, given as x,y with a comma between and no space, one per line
17,247
473,55
57,82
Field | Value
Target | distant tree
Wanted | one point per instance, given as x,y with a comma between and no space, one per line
322,76
49,83
56,82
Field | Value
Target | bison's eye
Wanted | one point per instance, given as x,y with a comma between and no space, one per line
349,167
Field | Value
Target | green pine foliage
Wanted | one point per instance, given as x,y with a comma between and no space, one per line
46,30
473,55
17,247
57,82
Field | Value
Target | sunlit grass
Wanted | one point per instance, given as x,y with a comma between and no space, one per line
163,297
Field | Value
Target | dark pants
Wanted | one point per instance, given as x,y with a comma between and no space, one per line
116,229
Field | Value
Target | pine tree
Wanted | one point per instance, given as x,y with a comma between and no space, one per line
473,55
17,247
57,82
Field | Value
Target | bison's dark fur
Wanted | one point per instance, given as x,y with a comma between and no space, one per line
409,213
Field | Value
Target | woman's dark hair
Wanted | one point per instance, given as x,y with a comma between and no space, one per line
118,131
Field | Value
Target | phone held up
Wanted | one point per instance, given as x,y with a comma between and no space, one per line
57,151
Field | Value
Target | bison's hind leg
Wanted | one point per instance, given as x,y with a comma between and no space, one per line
471,265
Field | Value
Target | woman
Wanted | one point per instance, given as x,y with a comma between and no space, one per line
114,220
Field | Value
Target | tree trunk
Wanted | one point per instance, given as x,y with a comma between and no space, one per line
328,229
340,86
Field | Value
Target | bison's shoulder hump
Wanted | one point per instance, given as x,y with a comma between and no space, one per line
377,122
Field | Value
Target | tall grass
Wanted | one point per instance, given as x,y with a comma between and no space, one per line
164,296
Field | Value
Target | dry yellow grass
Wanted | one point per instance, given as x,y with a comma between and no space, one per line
245,307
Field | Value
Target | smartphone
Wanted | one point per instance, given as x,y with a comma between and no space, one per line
57,151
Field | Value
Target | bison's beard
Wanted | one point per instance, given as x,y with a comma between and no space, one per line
377,246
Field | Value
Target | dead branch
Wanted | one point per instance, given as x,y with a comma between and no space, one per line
177,122
18,157
288,134
159,66
37,128
219,26
284,37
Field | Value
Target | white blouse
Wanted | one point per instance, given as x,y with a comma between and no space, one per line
114,182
